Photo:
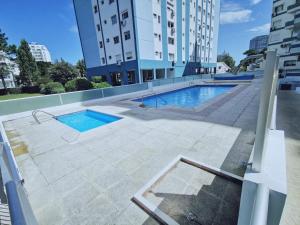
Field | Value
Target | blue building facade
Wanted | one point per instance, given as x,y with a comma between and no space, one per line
133,41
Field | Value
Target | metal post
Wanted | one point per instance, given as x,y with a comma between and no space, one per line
263,122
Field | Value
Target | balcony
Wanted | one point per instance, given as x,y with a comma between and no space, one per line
289,24
289,39
295,48
294,8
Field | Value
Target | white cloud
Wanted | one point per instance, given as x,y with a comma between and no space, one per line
230,6
254,2
73,29
239,16
262,29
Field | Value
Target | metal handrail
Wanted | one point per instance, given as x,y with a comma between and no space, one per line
37,111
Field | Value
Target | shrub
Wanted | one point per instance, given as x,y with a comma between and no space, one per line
97,79
101,85
71,85
15,90
83,84
52,88
3,92
78,84
31,89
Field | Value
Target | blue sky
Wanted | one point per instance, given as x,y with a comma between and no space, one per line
52,22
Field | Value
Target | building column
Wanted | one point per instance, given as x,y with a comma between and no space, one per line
124,77
154,74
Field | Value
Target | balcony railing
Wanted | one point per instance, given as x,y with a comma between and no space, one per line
289,23
297,4
289,39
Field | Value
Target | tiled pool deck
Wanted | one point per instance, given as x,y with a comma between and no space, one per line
90,178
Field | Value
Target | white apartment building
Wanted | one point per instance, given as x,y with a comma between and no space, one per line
40,52
285,35
131,41
12,71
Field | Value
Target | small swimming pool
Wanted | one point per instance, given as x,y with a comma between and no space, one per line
187,97
86,120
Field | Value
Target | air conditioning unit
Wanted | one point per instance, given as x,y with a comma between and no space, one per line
119,62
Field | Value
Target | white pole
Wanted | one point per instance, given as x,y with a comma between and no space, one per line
266,101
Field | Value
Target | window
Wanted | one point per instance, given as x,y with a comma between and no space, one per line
107,40
118,58
170,24
102,2
98,27
95,9
124,15
105,22
171,41
109,57
127,35
114,19
116,39
158,19
171,57
290,63
111,1
101,44
129,55
159,37
103,60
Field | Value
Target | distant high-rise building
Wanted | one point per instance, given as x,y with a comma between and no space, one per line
130,41
11,72
259,43
40,52
285,35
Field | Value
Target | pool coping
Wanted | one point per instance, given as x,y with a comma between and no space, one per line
153,210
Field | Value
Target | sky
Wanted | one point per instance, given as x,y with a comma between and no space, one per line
53,23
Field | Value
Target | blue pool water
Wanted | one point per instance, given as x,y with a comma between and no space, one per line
86,120
187,97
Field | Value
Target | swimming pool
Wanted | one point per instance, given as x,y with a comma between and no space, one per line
86,120
187,97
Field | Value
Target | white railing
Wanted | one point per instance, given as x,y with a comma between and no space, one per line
19,207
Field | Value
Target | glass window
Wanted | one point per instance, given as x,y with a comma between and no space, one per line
129,55
116,39
95,9
171,41
127,35
111,1
124,15
114,19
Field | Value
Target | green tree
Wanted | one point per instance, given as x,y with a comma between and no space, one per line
80,65
28,68
44,76
5,50
62,72
250,52
226,58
